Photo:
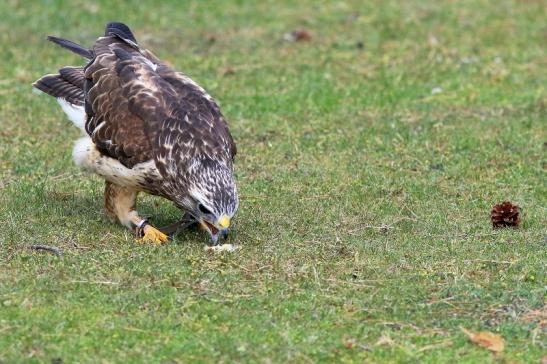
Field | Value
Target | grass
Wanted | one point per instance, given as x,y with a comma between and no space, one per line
365,192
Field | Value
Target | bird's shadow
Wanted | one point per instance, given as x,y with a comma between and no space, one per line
160,214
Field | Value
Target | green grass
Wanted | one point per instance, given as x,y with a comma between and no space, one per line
365,196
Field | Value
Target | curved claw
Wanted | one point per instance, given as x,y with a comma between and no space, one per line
176,227
186,221
153,235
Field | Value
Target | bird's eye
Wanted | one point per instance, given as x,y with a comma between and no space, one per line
203,209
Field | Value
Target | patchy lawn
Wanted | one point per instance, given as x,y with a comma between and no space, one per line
369,158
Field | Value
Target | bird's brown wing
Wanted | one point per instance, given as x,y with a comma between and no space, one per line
125,102
140,109
201,107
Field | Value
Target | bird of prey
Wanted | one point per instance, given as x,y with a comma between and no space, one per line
147,128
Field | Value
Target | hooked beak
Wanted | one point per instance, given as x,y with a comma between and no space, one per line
221,228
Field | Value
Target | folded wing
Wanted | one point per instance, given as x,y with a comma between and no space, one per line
140,109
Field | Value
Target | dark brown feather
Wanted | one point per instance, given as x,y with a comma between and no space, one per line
74,75
68,84
139,109
144,110
204,107
71,46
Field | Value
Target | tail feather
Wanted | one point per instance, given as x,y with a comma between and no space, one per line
74,75
68,85
74,47
121,31
68,95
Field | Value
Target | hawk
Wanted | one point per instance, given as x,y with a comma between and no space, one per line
147,128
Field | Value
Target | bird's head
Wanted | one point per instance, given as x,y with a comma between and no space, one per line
212,196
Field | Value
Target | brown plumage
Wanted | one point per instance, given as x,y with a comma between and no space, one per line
68,84
148,128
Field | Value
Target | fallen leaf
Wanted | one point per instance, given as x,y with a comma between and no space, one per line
488,340
298,35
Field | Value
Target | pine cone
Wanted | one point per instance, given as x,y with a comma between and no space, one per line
505,214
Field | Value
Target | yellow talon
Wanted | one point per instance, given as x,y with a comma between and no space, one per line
153,235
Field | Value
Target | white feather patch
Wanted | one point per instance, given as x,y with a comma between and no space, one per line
75,113
86,156
150,63
82,152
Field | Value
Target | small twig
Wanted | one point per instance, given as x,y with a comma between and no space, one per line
58,252
437,345
444,300
489,261
96,282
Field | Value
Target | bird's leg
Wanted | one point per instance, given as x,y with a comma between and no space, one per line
120,203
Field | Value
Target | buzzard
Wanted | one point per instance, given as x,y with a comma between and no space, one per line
147,128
